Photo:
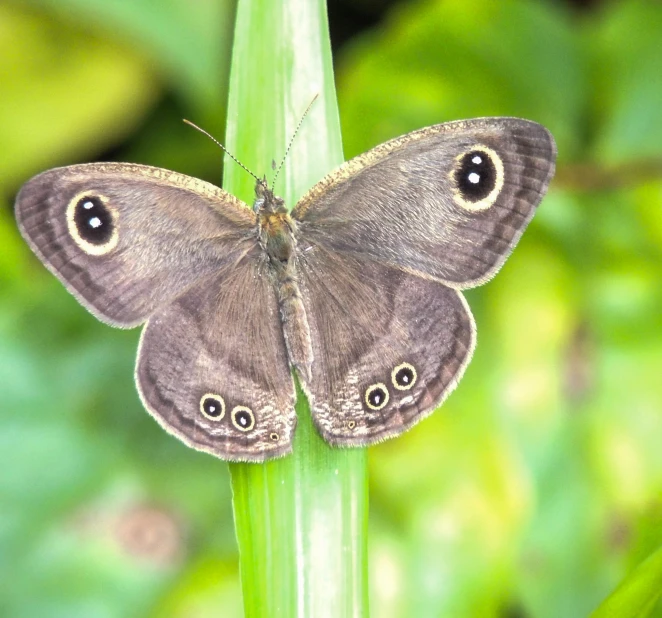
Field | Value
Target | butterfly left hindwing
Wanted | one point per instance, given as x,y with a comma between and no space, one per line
213,369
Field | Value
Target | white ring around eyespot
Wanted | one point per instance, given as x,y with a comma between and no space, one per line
88,247
368,392
492,196
216,398
242,409
404,366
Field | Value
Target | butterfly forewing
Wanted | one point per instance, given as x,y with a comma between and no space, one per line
127,239
447,202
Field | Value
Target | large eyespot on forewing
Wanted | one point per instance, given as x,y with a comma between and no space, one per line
477,178
92,223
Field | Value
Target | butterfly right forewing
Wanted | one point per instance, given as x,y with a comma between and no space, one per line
413,203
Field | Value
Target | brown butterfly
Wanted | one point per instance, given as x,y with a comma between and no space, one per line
358,289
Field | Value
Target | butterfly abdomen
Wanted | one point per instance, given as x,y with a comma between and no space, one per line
295,322
276,232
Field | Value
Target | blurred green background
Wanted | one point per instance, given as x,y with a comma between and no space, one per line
534,490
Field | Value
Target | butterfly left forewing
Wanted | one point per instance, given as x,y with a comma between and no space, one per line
126,239
388,347
213,370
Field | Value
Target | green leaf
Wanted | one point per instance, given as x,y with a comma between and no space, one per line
637,594
300,521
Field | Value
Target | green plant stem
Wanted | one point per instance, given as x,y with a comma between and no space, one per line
300,521
638,594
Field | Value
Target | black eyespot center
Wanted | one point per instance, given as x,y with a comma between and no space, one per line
476,175
212,407
243,418
93,220
404,376
376,396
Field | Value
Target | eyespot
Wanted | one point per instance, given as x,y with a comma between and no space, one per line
243,418
92,223
351,424
212,407
477,178
404,376
376,396
274,436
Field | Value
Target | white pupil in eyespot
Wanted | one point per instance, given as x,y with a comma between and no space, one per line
474,178
95,222
477,160
88,205
378,398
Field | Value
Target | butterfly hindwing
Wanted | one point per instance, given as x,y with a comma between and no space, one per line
388,347
213,370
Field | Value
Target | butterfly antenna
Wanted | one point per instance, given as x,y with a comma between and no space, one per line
289,146
223,148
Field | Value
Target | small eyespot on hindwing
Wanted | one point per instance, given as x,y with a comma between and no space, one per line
212,406
376,396
404,376
242,418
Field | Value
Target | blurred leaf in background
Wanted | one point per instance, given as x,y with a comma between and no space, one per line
534,490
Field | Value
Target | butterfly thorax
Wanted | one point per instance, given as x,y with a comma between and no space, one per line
276,233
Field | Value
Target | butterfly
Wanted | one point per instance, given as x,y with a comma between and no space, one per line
357,290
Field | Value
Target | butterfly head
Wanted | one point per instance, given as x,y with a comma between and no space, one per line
265,200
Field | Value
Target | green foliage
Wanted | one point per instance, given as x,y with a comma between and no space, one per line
533,492
638,593
301,521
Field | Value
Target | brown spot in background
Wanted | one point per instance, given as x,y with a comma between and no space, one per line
579,373
618,533
150,533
